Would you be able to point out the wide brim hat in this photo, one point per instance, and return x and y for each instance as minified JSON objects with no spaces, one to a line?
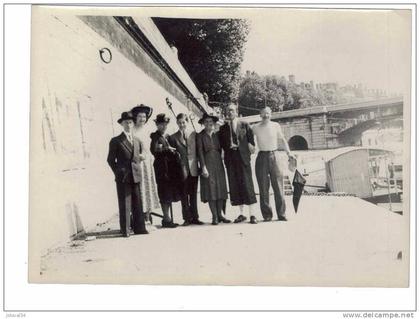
{"x":142,"y":109}
{"x":208,"y":116}
{"x":162,"y":118}
{"x":125,"y":116}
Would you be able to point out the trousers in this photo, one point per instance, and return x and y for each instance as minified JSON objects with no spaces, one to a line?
{"x":268,"y":171}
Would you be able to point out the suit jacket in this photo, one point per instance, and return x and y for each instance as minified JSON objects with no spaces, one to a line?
{"x":244,"y":134}
{"x":124,"y":160}
{"x":187,"y":151}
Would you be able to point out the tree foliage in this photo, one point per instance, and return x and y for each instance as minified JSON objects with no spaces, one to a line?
{"x":276,"y":92}
{"x":211,"y":51}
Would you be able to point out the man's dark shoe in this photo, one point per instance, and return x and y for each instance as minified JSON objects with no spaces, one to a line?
{"x":186,"y":223}
{"x":253,"y":220}
{"x":282,"y":219}
{"x":126,"y":235}
{"x":197,"y":222}
{"x":240,"y":219}
{"x":169,"y":225}
{"x":224,"y":220}
{"x":141,"y":232}
{"x":267,"y":219}
{"x":214,"y":223}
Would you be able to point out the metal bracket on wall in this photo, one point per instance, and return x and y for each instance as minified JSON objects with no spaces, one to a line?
{"x":106,"y":58}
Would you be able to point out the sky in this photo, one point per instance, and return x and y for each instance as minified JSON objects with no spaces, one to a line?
{"x":349,"y":47}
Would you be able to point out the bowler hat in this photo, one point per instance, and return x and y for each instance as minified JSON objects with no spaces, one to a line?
{"x":161,"y":118}
{"x":142,"y":109}
{"x":125,"y":116}
{"x":208,"y":116}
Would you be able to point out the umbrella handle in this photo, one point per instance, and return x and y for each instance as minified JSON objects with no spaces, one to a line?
{"x":169,"y":105}
{"x":192,"y":123}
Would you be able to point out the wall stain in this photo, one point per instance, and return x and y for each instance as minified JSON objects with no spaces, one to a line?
{"x":82,"y":133}
{"x":49,"y":126}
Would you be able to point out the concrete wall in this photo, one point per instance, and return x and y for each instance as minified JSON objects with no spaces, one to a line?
{"x":76,"y":100}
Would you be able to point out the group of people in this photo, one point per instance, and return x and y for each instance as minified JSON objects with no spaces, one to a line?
{"x":157,"y":169}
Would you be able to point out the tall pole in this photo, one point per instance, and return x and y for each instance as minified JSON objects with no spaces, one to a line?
{"x":388,"y":182}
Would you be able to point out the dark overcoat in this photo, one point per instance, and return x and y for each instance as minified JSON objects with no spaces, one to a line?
{"x":167,"y":166}
{"x":238,"y":162}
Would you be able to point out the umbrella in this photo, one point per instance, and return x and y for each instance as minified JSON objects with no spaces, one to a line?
{"x":169,"y":104}
{"x":298,"y":185}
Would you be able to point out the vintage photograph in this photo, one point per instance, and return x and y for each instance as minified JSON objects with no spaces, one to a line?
{"x":220,"y":146}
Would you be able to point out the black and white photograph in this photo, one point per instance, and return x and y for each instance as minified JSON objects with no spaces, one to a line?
{"x":220,"y":146}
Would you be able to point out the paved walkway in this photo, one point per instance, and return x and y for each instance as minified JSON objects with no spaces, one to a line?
{"x":332,"y":241}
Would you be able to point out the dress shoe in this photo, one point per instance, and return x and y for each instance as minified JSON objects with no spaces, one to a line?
{"x":282,"y":219}
{"x":253,"y":220}
{"x":186,"y":223}
{"x":214,"y":223}
{"x":141,"y":232}
{"x":197,"y":222}
{"x":126,"y":235}
{"x":241,"y":218}
{"x":267,"y":219}
{"x":224,"y":220}
{"x":169,"y":225}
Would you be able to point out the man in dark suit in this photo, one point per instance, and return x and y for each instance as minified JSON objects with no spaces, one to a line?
{"x":184,"y":141}
{"x":237,"y":141}
{"x":124,"y":159}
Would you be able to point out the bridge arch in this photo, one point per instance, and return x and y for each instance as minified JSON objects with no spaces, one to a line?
{"x":298,"y":143}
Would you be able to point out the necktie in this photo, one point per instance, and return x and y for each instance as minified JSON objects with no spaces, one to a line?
{"x":233,"y":134}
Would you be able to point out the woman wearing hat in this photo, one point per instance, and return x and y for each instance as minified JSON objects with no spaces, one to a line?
{"x":165,"y":165}
{"x":213,"y":180}
{"x":148,"y":187}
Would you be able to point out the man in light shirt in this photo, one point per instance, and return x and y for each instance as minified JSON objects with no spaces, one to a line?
{"x":270,"y":141}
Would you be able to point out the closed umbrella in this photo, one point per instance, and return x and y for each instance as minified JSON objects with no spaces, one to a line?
{"x":298,"y":185}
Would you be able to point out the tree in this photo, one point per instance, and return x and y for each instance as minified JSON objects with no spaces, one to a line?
{"x":255,"y":92}
{"x":251,"y":91}
{"x":211,"y":51}
{"x":281,"y":95}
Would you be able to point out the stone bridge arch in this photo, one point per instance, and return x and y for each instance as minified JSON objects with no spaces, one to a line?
{"x":298,"y":143}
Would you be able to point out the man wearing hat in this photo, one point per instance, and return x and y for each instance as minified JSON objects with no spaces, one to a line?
{"x":124,"y":159}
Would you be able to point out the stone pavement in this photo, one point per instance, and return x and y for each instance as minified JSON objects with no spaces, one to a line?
{"x":332,"y":241}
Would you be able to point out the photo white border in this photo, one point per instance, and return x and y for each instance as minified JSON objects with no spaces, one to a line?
{"x":21,"y":296}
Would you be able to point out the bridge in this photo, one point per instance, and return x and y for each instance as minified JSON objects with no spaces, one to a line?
{"x":332,"y":126}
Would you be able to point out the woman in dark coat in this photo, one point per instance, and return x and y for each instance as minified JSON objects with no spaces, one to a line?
{"x":165,"y":169}
{"x":213,"y":180}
